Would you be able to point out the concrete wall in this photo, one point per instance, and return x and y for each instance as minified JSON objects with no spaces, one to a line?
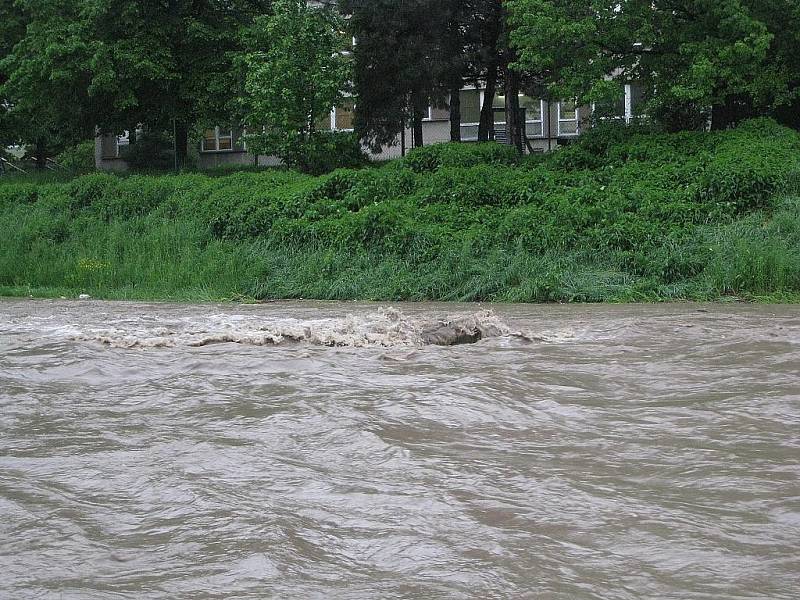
{"x":106,"y":154}
{"x":211,"y":160}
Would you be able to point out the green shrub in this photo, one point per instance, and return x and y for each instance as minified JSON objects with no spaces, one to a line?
{"x":751,"y":165}
{"x":91,"y":189}
{"x":326,"y":151}
{"x":152,"y":151}
{"x":657,"y":215}
{"x":430,"y":158}
{"x":755,"y":255}
{"x":18,"y":194}
{"x":78,"y":158}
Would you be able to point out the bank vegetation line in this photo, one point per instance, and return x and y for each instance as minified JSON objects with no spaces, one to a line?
{"x":624,"y":214}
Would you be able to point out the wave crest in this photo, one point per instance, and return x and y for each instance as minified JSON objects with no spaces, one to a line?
{"x":382,"y":329}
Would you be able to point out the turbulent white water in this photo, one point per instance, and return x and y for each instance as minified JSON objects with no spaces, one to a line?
{"x":382,"y":328}
{"x":314,"y":450}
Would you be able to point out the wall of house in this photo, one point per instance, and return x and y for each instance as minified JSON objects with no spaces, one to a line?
{"x":558,"y":127}
{"x":106,"y":154}
{"x":211,"y":160}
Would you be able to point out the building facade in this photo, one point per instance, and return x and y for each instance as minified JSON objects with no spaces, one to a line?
{"x":548,"y":124}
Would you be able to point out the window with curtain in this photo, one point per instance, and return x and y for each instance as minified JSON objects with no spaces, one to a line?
{"x":470,"y":106}
{"x":216,"y":140}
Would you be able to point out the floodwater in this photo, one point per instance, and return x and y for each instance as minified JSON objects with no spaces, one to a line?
{"x":308,"y":450}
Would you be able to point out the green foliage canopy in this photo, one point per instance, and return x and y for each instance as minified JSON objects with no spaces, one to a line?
{"x":732,"y":55}
{"x":297,"y":69}
{"x":71,"y":65}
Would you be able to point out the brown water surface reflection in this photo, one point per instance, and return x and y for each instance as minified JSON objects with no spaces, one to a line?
{"x":306,"y":450}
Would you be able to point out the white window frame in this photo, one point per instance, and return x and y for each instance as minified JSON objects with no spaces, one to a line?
{"x":472,"y":88}
{"x":539,"y":121}
{"x":332,"y":117}
{"x":628,"y":103}
{"x":333,"y":120}
{"x":628,"y":116}
{"x":217,"y":138}
{"x":576,"y":120}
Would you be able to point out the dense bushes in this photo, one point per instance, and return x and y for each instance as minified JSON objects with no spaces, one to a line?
{"x":327,"y":151}
{"x":430,"y":158}
{"x":623,"y":214}
{"x":153,"y":151}
{"x":78,"y":158}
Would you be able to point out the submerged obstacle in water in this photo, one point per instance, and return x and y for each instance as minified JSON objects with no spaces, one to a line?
{"x":383,"y":329}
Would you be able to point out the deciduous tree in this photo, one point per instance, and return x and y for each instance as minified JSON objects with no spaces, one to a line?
{"x":87,"y":63}
{"x":704,"y":54}
{"x":406,"y":58}
{"x":297,"y":69}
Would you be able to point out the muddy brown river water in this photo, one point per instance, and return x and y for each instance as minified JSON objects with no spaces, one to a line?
{"x":308,"y":450}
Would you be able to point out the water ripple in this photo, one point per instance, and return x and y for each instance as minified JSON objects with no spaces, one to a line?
{"x":605,"y":452}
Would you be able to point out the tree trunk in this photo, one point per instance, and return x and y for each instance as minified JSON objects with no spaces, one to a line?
{"x":486,"y":125}
{"x":418,"y":136}
{"x":514,"y":122}
{"x":721,"y":115}
{"x":418,"y":108}
{"x":181,"y":145}
{"x":455,"y":111}
{"x":40,"y":155}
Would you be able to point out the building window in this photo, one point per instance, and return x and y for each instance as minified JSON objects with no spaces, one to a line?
{"x":499,"y":108}
{"x":616,"y":109}
{"x":625,"y":108}
{"x":343,"y":115}
{"x":470,"y":107}
{"x":534,"y":115}
{"x":636,"y":97}
{"x":123,"y":142}
{"x":324,"y":123}
{"x":112,"y":146}
{"x":437,"y":113}
{"x":534,"y":109}
{"x":568,"y":118}
{"x":471,"y":101}
{"x":217,"y":140}
{"x":341,"y":118}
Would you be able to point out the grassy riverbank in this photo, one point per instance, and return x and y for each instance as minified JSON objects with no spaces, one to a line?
{"x":624,"y":215}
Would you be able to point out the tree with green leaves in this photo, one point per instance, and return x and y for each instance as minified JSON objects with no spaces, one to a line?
{"x":170,"y":65}
{"x":701,"y":55}
{"x":45,"y":76}
{"x":404,"y":62}
{"x":12,"y":29}
{"x":297,"y":68}
{"x":782,"y":18}
{"x":86,"y":63}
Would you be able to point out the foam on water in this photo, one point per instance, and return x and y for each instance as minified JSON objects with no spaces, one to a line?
{"x":384,"y":328}
{"x":638,"y":452}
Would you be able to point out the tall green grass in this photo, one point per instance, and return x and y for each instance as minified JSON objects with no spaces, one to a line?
{"x":622,"y":216}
